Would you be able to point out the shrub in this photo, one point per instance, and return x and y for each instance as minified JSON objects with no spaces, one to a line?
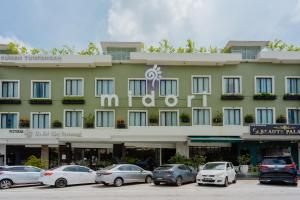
{"x":218,"y":118}
{"x":89,"y":121}
{"x":153,"y":119}
{"x":249,"y":119}
{"x":36,"y":162}
{"x":56,"y":124}
{"x":184,"y":118}
{"x":281,"y":119}
{"x":244,"y":159}
{"x":24,"y":122}
{"x":180,"y":159}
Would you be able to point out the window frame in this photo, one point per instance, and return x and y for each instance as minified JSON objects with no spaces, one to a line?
{"x":274,"y":114}
{"x":159,"y":117}
{"x":82,"y":116}
{"x":173,"y":79}
{"x":36,"y":81}
{"x":286,"y":85}
{"x":137,"y":79}
{"x":240,"y":86}
{"x":31,"y":119}
{"x":210,"y":116}
{"x":128,"y":114}
{"x":263,"y":76}
{"x":287,"y":113}
{"x":18,"y":119}
{"x":201,"y":76}
{"x":105,"y":110}
{"x":73,"y":78}
{"x":6,"y":80}
{"x":109,"y":79}
{"x":241,"y":116}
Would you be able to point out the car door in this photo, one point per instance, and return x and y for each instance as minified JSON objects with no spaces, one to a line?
{"x":229,"y":171}
{"x":124,"y":171}
{"x":71,"y":174}
{"x":138,"y":174}
{"x":32,"y":174}
{"x":183,"y":173}
{"x":190,"y":173}
{"x":86,"y":175}
{"x":18,"y":174}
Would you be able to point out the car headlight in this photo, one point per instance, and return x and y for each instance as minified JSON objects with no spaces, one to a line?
{"x":219,"y":175}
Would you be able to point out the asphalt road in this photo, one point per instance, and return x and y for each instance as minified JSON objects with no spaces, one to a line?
{"x":243,"y":190}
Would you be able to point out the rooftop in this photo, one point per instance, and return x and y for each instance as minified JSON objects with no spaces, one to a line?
{"x":137,"y":45}
{"x":243,"y":43}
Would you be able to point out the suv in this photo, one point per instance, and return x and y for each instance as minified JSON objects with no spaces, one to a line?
{"x":278,"y":169}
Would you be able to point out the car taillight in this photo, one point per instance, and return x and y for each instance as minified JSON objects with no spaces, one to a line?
{"x":47,"y":173}
{"x":263,"y":167}
{"x":291,"y":166}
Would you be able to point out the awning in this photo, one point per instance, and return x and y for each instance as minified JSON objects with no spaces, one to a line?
{"x":223,"y":139}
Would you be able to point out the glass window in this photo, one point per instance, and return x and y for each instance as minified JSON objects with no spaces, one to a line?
{"x":201,"y":85}
{"x":9,"y":120}
{"x":264,"y":85}
{"x":264,"y":116}
{"x":74,"y":87}
{"x":201,"y":116}
{"x":40,"y":120}
{"x":232,"y":116}
{"x":104,"y":119}
{"x":73,"y":119}
{"x":138,"y":87}
{"x":9,"y":89}
{"x":168,"y":87}
{"x":124,"y":168}
{"x":232,"y":85}
{"x":17,"y":169}
{"x":32,"y":169}
{"x":168,"y":118}
{"x":134,"y":168}
{"x":137,"y":118}
{"x":104,"y":87}
{"x":41,"y":89}
{"x":70,"y":169}
{"x":293,"y":116}
{"x":82,"y":169}
{"x":293,"y":85}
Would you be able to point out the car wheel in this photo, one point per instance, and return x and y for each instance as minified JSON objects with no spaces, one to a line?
{"x":156,"y":183}
{"x":148,"y":179}
{"x":60,"y":183}
{"x":226,"y":182}
{"x":178,"y":181}
{"x":5,"y":184}
{"x":118,"y":182}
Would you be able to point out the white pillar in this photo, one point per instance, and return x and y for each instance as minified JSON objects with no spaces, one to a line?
{"x":182,"y":148}
{"x":3,"y":152}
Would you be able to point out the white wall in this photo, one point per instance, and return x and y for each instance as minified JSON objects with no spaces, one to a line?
{"x":182,"y":148}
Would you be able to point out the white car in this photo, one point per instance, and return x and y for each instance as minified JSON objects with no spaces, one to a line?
{"x":14,"y":175}
{"x":218,"y":173}
{"x":68,"y":175}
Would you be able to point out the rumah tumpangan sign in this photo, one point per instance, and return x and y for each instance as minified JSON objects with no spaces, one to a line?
{"x":272,"y":129}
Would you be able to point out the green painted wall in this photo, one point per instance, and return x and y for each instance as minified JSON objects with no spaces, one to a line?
{"x":121,"y":73}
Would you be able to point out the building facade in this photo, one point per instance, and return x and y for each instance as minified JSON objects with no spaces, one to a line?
{"x":92,"y":110}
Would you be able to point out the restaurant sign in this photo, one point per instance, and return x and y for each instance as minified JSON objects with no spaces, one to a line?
{"x":271,"y":129}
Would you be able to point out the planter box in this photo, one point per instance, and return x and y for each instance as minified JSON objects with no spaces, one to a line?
{"x":10,"y":101}
{"x":264,"y":97}
{"x":121,"y":125}
{"x":232,"y":97}
{"x":73,"y":101}
{"x":291,"y":97}
{"x":41,"y":101}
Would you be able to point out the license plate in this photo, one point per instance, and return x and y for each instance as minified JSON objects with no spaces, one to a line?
{"x":159,"y":178}
{"x":207,"y":179}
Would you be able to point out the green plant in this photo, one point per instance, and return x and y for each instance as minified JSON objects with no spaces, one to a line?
{"x":56,"y":124}
{"x":180,"y":159}
{"x":244,"y":159}
{"x":249,"y":119}
{"x":129,"y":159}
{"x":218,"y":118}
{"x":184,"y":118}
{"x":24,"y":122}
{"x":121,"y":123}
{"x":153,"y":119}
{"x":89,"y":121}
{"x":198,"y":160}
{"x":281,"y":119}
{"x":73,"y":100}
{"x":36,"y":162}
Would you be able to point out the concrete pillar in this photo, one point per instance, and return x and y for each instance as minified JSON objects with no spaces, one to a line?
{"x":182,"y":148}
{"x":3,"y":153}
{"x":298,"y":155}
{"x":45,"y":154}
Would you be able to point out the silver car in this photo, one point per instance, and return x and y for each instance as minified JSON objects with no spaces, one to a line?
{"x":14,"y":175}
{"x":123,"y":173}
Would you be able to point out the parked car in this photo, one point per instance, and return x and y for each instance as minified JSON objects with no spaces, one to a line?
{"x":174,"y":174}
{"x":15,"y":175}
{"x":218,"y":173}
{"x":278,"y":169}
{"x":68,"y":175}
{"x":123,"y":173}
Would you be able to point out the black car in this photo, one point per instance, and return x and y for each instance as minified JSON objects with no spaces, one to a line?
{"x":278,"y":169}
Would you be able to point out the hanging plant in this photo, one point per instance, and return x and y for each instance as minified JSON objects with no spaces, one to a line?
{"x":281,"y":119}
{"x":184,"y":118}
{"x":249,"y":119}
{"x":56,"y":124}
{"x":24,"y":122}
{"x":218,"y":118}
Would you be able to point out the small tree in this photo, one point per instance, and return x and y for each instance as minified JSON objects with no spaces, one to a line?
{"x":244,"y":159}
{"x":249,"y":119}
{"x":180,"y":159}
{"x":36,"y":162}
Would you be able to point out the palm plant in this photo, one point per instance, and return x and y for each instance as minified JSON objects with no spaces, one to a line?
{"x":190,"y":46}
{"x":165,"y":46}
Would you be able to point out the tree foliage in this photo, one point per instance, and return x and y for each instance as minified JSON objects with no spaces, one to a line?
{"x":36,"y":162}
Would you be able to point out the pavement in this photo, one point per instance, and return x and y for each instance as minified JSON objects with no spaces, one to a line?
{"x":242,"y":190}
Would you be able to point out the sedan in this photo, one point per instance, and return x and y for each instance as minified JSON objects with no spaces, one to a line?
{"x":174,"y":174}
{"x":14,"y":175}
{"x":218,"y":173}
{"x":123,"y":173}
{"x":68,"y":175}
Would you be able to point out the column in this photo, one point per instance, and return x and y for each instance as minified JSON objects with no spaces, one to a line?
{"x":45,"y":154}
{"x":3,"y":153}
{"x":182,"y":148}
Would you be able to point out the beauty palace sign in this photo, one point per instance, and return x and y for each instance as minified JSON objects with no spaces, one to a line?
{"x":152,"y":75}
{"x":272,"y":129}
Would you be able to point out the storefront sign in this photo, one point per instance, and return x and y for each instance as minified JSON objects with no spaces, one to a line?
{"x":30,"y":133}
{"x":30,"y":58}
{"x":275,"y":129}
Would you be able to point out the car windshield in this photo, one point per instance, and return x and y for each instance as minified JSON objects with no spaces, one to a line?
{"x":277,"y":161}
{"x":164,"y":167}
{"x":214,"y":166}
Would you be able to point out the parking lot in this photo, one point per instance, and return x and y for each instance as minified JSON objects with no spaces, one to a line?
{"x":244,"y":189}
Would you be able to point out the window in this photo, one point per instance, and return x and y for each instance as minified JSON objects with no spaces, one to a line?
{"x":82,"y":169}
{"x":40,"y":120}
{"x":168,"y":118}
{"x":40,"y":89}
{"x":264,"y":115}
{"x":293,"y":85}
{"x":264,"y":85}
{"x":201,"y":116}
{"x":232,"y":85}
{"x":232,"y":116}
{"x":168,"y":87}
{"x":105,"y":118}
{"x":293,"y":115}
{"x":32,"y":169}
{"x":200,"y":84}
{"x":74,"y":87}
{"x":70,"y":169}
{"x":9,"y":120}
{"x":137,"y":118}
{"x":10,"y":88}
{"x":73,"y":119}
{"x":104,"y":87}
{"x":138,"y":87}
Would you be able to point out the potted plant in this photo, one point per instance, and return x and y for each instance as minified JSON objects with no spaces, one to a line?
{"x":10,"y":101}
{"x":24,"y":122}
{"x":199,"y":161}
{"x":232,"y":97}
{"x":281,"y":119}
{"x":153,"y":120}
{"x":184,"y":118}
{"x":89,"y":121}
{"x":218,"y":118}
{"x":249,"y":119}
{"x":264,"y":96}
{"x":40,"y":101}
{"x":56,"y":124}
{"x":243,"y":161}
{"x":73,"y":100}
{"x":291,"y":97}
{"x":121,"y":123}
